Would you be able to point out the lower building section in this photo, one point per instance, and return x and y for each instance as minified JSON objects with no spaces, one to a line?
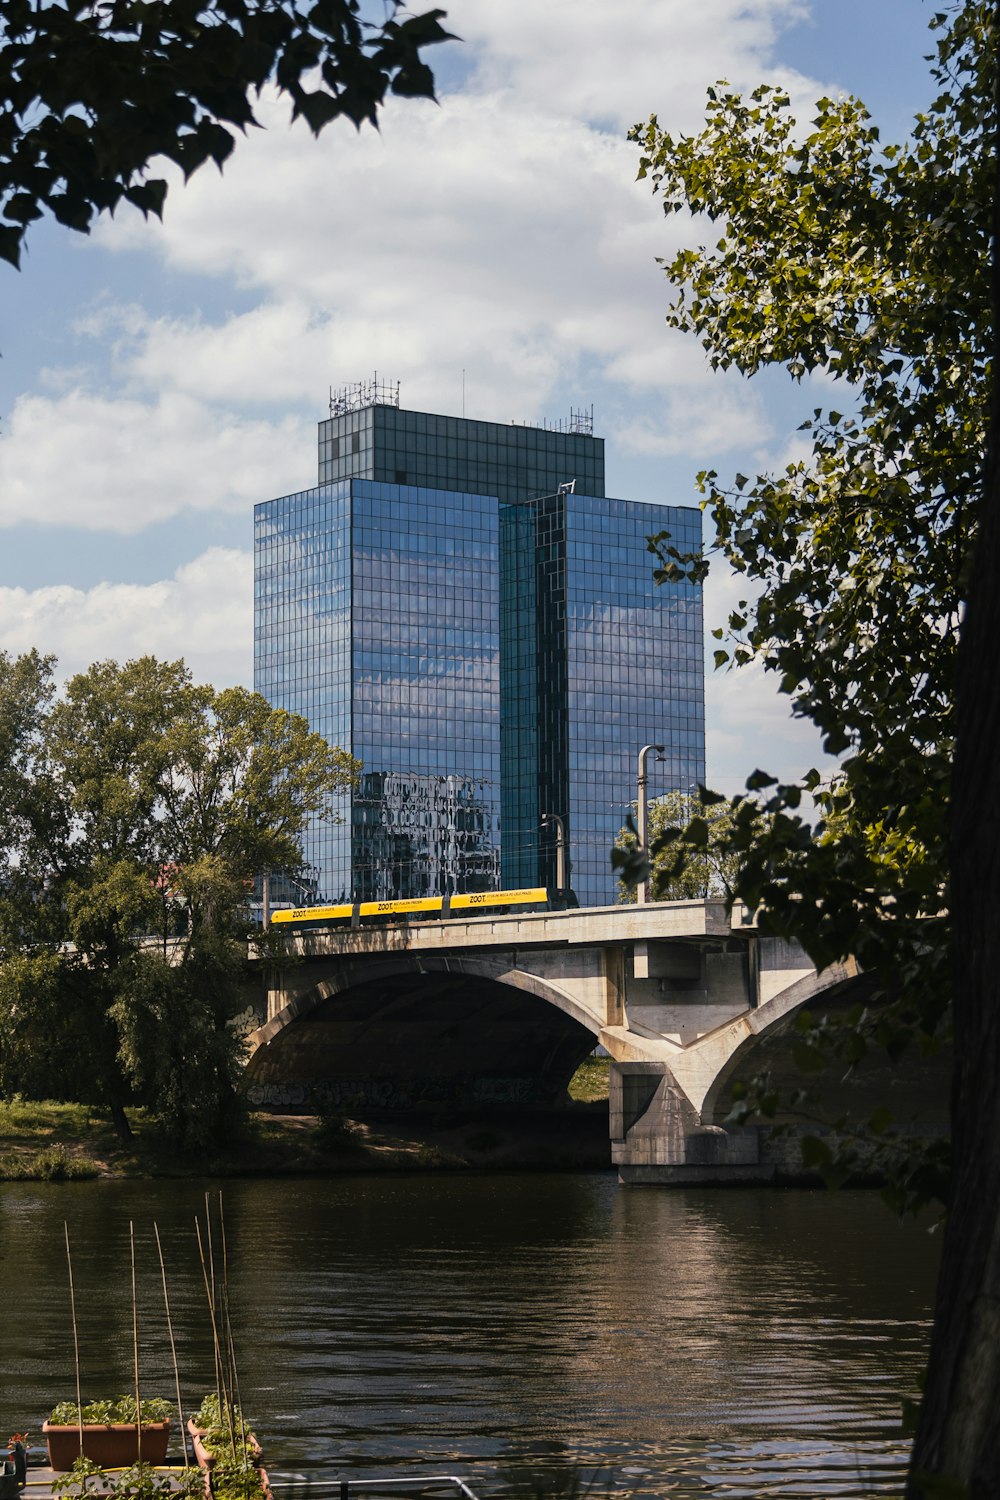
{"x":418,"y":836}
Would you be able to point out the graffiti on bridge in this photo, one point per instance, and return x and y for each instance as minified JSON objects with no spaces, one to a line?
{"x":390,"y":1094}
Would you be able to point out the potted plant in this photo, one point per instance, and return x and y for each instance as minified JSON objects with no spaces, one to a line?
{"x":140,"y":1481}
{"x":17,"y":1443}
{"x":111,"y":1433}
{"x":222,"y":1433}
{"x":78,"y":1475}
{"x":238,"y":1480}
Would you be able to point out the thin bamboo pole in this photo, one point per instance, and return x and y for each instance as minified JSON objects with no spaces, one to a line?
{"x":135,"y":1344}
{"x":173,"y":1346}
{"x":76,"y":1339}
{"x":220,"y":1374}
{"x":236,"y":1385}
{"x":215,"y":1335}
{"x":223,"y":1305}
{"x":231,"y":1345}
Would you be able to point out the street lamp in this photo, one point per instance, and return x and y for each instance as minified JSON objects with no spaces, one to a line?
{"x":642,"y":889}
{"x":560,"y":828}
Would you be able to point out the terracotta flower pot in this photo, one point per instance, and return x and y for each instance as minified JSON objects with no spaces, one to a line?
{"x":206,"y":1459}
{"x":113,"y":1447}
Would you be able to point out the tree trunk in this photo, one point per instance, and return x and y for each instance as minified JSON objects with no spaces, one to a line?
{"x":119,"y":1120}
{"x":958,"y":1436}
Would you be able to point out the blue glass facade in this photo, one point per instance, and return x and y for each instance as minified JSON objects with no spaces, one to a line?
{"x":376,"y":618}
{"x":596,"y":661}
{"x":491,"y":649}
{"x":303,"y":634}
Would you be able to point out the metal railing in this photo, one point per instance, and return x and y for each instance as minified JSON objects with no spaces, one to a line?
{"x":343,"y":1487}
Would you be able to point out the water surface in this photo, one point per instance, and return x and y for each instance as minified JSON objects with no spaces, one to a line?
{"x":694,"y":1343}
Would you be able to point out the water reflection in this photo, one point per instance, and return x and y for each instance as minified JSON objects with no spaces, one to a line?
{"x":738,"y":1343}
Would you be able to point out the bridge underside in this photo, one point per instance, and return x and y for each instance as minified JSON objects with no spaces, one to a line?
{"x":421,"y":1041}
{"x":914,"y":1089}
{"x":663,"y":1139}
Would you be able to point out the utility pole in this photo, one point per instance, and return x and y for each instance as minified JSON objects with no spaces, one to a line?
{"x":560,"y":827}
{"x":642,"y":889}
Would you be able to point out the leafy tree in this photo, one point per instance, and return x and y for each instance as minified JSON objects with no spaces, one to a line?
{"x":708,"y":865}
{"x":874,"y":567}
{"x":91,"y":94}
{"x":134,"y":792}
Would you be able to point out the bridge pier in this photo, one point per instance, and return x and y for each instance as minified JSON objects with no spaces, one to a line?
{"x":657,"y":1135}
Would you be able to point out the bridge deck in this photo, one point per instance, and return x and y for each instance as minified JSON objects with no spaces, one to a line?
{"x":595,"y":926}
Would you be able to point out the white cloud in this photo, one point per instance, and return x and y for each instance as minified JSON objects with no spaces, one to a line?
{"x":696,"y":420}
{"x":614,"y":65}
{"x":468,"y":236}
{"x":203,"y":613}
{"x":121,"y":464}
{"x":749,"y":724}
{"x":535,"y":272}
{"x":501,"y":232}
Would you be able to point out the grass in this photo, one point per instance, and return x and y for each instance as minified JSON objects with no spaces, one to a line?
{"x":45,"y":1141}
{"x":30,"y":1119}
{"x":51,"y":1164}
{"x":590,"y":1081}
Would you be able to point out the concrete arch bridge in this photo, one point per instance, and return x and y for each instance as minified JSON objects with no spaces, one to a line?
{"x":497,"y":1012}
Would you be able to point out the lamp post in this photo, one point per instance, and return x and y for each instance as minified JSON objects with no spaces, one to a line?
{"x":642,"y":889}
{"x":560,"y":828}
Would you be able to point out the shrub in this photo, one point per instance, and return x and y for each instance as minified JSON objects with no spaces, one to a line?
{"x":104,"y":1413}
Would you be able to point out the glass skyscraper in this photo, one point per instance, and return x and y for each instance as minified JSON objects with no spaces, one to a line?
{"x":487,"y":641}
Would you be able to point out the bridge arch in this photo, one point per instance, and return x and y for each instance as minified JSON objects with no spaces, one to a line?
{"x":411,"y":1030}
{"x":915,"y":1089}
{"x":745,"y":1040}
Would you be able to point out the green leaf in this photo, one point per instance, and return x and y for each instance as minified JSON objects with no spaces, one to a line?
{"x":760,"y":779}
{"x":10,"y":245}
{"x":816,"y":1154}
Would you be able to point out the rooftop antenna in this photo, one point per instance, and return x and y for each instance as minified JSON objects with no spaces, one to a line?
{"x":579,"y":421}
{"x":362,"y":393}
{"x":463,"y":392}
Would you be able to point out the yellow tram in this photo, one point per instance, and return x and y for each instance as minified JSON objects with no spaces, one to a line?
{"x":353,"y":913}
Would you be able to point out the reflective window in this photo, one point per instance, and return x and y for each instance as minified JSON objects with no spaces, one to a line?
{"x":596,"y":661}
{"x":437,"y":630}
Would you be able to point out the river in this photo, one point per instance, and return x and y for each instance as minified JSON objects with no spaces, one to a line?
{"x":727,"y":1343}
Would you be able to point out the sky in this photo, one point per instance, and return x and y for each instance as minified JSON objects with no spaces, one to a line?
{"x":159,"y":379}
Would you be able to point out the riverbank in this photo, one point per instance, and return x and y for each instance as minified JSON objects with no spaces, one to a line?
{"x":55,"y":1142}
